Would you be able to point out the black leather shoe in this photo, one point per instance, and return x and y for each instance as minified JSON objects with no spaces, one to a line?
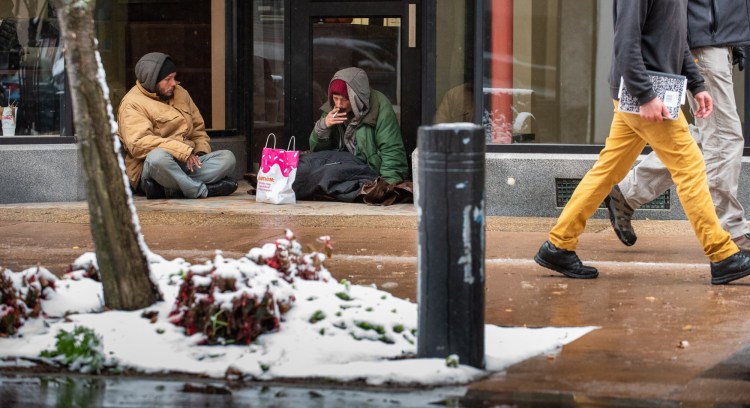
{"x":155,"y":191}
{"x":735,"y":267}
{"x":620,"y":215}
{"x":152,"y":190}
{"x":564,"y":261}
{"x":223,"y":187}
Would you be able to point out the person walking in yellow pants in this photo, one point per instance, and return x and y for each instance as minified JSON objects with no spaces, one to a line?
{"x":717,"y":33}
{"x":649,"y":35}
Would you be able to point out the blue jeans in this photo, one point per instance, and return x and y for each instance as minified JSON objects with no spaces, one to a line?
{"x":173,"y":175}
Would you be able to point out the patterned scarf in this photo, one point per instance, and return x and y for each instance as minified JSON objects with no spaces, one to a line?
{"x":359,"y":109}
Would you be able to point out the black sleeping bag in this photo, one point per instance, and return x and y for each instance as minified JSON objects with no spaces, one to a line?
{"x":331,"y":175}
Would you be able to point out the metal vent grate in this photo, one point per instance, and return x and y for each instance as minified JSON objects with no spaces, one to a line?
{"x":564,"y":190}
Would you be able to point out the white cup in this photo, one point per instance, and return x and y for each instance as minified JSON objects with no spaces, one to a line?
{"x":9,"y":121}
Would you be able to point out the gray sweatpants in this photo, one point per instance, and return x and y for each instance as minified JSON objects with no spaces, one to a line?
{"x":173,"y":175}
{"x":720,"y":137}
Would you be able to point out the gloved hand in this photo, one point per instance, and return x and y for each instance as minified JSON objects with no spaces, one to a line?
{"x":738,"y":57}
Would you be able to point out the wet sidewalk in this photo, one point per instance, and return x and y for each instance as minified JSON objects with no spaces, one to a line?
{"x":666,"y":336}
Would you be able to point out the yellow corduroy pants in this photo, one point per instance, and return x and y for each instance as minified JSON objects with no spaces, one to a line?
{"x":671,"y":141}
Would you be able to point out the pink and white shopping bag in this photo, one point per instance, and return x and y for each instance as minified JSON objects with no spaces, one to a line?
{"x":278,"y":168}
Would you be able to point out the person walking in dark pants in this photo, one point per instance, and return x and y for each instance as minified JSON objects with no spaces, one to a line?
{"x":649,"y":35}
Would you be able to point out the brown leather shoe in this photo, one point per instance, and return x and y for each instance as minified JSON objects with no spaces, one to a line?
{"x":620,"y":214}
{"x":743,"y":242}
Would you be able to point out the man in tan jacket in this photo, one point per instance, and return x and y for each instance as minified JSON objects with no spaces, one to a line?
{"x":167,"y":150}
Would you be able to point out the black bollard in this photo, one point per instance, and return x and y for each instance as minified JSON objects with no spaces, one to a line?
{"x":450,"y":212}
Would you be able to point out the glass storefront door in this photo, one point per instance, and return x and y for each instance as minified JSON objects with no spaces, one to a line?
{"x":371,"y":44}
{"x":379,"y":37}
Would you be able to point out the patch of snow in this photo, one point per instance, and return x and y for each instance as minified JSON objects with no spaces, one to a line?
{"x":334,"y":330}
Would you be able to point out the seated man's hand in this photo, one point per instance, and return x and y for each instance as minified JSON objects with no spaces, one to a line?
{"x":193,"y":162}
{"x":335,"y":118}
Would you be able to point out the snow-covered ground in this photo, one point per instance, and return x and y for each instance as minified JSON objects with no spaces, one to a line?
{"x":321,"y":336}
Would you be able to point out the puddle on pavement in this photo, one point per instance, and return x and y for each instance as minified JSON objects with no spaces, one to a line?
{"x":489,"y":399}
{"x":81,"y":391}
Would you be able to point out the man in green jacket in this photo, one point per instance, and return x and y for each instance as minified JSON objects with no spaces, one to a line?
{"x":361,"y":121}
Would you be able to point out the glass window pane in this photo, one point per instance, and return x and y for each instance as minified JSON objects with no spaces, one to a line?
{"x":371,"y":44}
{"x":268,"y":64}
{"x":190,"y":31}
{"x":545,"y":65}
{"x":268,"y":73}
{"x":454,"y":68}
{"x":31,"y":67}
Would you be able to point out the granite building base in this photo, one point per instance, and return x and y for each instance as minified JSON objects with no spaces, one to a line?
{"x":525,"y":185}
{"x":53,"y":172}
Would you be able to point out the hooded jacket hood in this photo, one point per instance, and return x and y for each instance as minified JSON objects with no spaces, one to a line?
{"x":359,"y":88}
{"x":147,"y":69}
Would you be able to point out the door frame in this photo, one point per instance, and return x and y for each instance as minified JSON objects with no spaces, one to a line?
{"x":416,"y":99}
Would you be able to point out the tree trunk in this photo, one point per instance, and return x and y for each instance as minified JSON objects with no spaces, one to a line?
{"x":120,"y":250}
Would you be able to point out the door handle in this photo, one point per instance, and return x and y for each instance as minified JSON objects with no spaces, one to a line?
{"x":412,"y":25}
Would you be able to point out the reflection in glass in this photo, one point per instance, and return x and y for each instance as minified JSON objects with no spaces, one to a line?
{"x":268,"y":73}
{"x":31,"y":66}
{"x":541,"y":67}
{"x":544,"y":67}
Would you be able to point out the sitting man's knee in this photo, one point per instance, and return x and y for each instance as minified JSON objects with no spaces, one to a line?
{"x":228,"y":159}
{"x":158,"y":156}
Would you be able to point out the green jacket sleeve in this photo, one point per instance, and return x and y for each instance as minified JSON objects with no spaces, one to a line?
{"x":393,"y":167}
{"x":316,"y":143}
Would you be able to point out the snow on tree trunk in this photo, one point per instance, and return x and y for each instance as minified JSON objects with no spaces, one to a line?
{"x":120,"y":252}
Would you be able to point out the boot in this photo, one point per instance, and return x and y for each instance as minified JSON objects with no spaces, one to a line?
{"x":152,"y":190}
{"x":620,"y":214}
{"x":223,"y":187}
{"x":743,"y":242}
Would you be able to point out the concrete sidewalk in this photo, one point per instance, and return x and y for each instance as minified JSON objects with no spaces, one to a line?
{"x":665,"y":337}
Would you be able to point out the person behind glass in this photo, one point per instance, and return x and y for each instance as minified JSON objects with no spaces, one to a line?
{"x":167,"y":150}
{"x":361,"y":121}
{"x":10,"y":51}
{"x":716,"y":34}
{"x":457,"y":105}
{"x":649,"y":34}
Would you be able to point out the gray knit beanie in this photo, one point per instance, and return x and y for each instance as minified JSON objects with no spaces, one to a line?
{"x":147,"y":69}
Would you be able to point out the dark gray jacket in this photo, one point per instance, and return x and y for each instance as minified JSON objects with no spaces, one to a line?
{"x":10,"y":47}
{"x":714,"y":23}
{"x":651,"y":35}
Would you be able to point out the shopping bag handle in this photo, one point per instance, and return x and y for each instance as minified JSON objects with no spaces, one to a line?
{"x":292,"y":142}
{"x":274,"y":139}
